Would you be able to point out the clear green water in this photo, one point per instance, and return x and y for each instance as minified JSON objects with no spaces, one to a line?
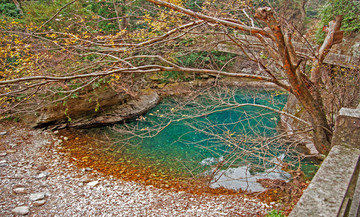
{"x":188,"y":136}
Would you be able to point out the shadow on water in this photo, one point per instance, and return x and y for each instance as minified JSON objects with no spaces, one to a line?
{"x":213,"y":142}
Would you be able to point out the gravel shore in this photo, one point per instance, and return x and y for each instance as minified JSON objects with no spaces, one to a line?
{"x":38,"y":180}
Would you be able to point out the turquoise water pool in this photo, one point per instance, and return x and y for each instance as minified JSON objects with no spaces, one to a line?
{"x":212,"y":130}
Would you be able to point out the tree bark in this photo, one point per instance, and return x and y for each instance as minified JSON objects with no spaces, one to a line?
{"x":334,"y":26}
{"x":322,"y":131}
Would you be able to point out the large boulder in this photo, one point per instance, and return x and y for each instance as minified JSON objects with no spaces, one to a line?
{"x":96,"y":110}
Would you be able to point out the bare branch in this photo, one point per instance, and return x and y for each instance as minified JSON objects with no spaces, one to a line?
{"x":235,"y":25}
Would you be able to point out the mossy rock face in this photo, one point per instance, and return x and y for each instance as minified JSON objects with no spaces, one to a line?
{"x":100,"y":108}
{"x":86,"y":104}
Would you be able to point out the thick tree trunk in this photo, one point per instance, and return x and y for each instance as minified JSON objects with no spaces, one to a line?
{"x":312,"y":103}
{"x":321,"y":130}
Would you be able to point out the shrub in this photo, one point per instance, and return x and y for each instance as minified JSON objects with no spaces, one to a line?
{"x":8,"y":8}
{"x":213,"y":59}
{"x":275,"y":213}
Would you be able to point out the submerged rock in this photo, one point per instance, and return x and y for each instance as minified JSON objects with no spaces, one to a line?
{"x":240,"y":178}
{"x":211,"y":160}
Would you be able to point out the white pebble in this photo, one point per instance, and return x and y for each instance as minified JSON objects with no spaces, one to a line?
{"x":43,"y":174}
{"x":92,"y":184}
{"x":39,"y":202}
{"x":20,"y":190}
{"x":3,"y":163}
{"x":37,"y":196}
{"x":21,"y":210}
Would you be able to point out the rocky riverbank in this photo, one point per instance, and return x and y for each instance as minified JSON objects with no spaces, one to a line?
{"x":39,"y":180}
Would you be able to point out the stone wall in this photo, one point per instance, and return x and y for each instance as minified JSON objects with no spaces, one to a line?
{"x":347,"y":129}
{"x":335,"y":189}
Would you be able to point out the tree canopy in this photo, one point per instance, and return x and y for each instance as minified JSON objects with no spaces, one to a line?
{"x":74,"y":45}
